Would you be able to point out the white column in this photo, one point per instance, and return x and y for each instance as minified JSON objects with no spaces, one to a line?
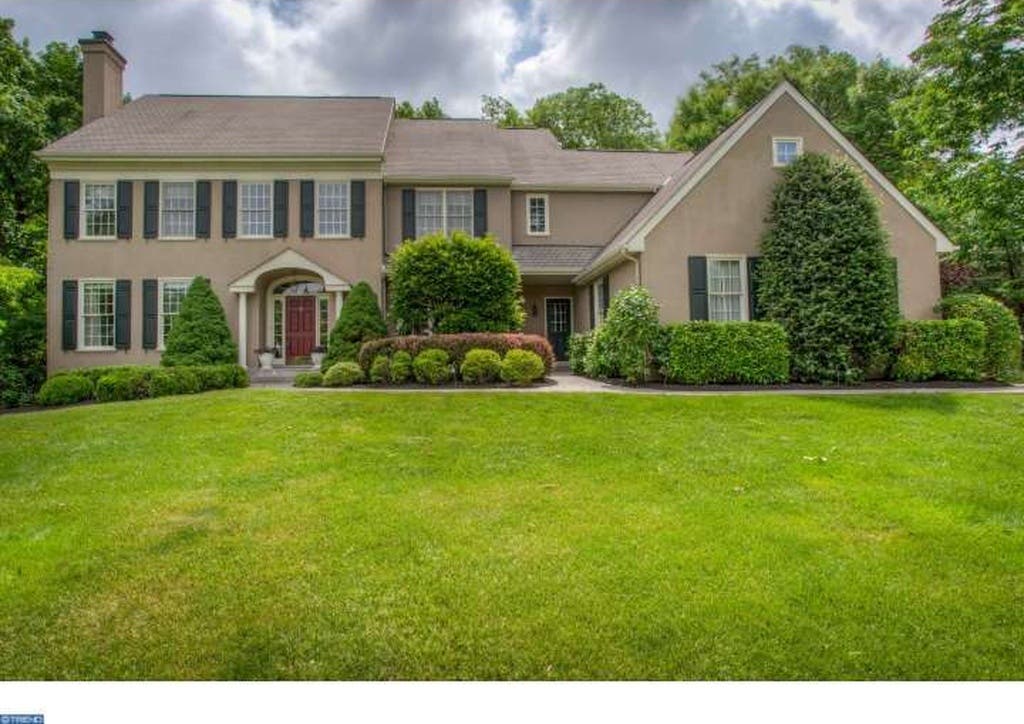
{"x":243,"y":328}
{"x":337,"y":305}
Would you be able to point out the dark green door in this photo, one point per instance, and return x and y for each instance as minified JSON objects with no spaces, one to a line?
{"x":558,"y":316}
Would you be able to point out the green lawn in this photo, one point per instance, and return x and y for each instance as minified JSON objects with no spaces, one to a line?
{"x":258,"y":534}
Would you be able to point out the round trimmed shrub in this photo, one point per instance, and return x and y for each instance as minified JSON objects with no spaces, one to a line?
{"x":1002,"y":332}
{"x":521,"y":367}
{"x":401,"y":367}
{"x":343,"y":374}
{"x":380,"y":370}
{"x":125,"y":383}
{"x":174,"y":381}
{"x":432,"y":367}
{"x":308,"y":379}
{"x":65,"y":389}
{"x":480,"y":366}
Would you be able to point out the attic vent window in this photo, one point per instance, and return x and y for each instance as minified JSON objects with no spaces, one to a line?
{"x":786,"y":150}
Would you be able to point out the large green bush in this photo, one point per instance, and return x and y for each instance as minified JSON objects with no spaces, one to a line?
{"x":701,"y":353}
{"x":360,"y":320}
{"x":65,"y":390}
{"x":950,"y":349}
{"x":454,"y":284}
{"x":432,"y":367}
{"x":380,"y":369}
{"x":125,"y":383}
{"x":480,"y":366}
{"x":521,"y":367}
{"x":1002,"y":331}
{"x":400,"y":367}
{"x":22,"y":335}
{"x":630,"y":331}
{"x":825,"y":273}
{"x":601,"y":359}
{"x":579,"y":343}
{"x":343,"y":374}
{"x":200,"y":333}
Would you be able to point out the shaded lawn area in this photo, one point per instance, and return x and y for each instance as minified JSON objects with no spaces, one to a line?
{"x":272,"y":534}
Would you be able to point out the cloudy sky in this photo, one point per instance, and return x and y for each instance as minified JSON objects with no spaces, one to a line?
{"x":459,"y":49}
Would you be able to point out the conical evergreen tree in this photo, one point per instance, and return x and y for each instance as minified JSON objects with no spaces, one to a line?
{"x":360,"y":320}
{"x":200,"y":333}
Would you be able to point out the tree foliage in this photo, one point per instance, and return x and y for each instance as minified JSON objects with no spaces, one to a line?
{"x":825,"y":272}
{"x":454,"y":284}
{"x":594,"y":117}
{"x":429,"y":109}
{"x":360,"y":320}
{"x":200,"y":333}
{"x":500,"y":110}
{"x":22,"y":334}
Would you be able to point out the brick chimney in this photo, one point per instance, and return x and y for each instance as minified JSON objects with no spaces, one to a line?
{"x":103,"y":68}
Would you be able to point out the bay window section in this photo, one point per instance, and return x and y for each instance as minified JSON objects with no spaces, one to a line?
{"x":256,"y":210}
{"x":726,"y":290}
{"x":96,"y":319}
{"x":100,"y":211}
{"x":178,"y":210}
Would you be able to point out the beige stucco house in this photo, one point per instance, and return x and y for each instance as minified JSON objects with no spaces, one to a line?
{"x":284,"y":203}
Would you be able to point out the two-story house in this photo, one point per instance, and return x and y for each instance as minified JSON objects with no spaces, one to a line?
{"x":285,"y":202}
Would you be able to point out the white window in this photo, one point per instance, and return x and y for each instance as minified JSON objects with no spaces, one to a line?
{"x":786,"y":150}
{"x":332,"y":209}
{"x":323,"y":321}
{"x":178,"y":210}
{"x":96,"y":314}
{"x":256,"y":210}
{"x":444,"y":211}
{"x":172,"y":292}
{"x":727,"y":295}
{"x":537,"y":215}
{"x":99,"y":211}
{"x":599,"y":296}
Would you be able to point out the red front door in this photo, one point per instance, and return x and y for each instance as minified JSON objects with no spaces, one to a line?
{"x":300,"y":332}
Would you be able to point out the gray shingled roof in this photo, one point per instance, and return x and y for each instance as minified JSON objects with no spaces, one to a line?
{"x":219,"y":126}
{"x":548,"y":257}
{"x":425,"y":149}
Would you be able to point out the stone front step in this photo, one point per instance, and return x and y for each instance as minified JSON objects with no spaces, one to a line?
{"x":277,"y":375}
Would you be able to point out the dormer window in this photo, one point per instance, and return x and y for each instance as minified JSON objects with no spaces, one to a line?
{"x":786,"y":150}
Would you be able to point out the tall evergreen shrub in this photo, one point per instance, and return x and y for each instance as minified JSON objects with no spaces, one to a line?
{"x":360,"y":321}
{"x":200,"y":333}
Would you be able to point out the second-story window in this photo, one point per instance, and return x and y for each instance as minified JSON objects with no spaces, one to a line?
{"x":178,"y":210}
{"x":332,"y":209}
{"x":444,"y":211}
{"x":255,"y":209}
{"x":537,"y":215}
{"x":100,"y":211}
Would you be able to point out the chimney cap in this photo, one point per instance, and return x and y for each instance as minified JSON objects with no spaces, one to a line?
{"x":102,"y":40}
{"x":102,"y":35}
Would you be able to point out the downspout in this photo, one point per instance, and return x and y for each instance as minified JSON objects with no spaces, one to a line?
{"x":636,"y":265}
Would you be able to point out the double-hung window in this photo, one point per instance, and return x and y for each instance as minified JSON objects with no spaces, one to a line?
{"x":537,"y":215}
{"x":96,"y":315}
{"x":172,"y":292}
{"x":786,"y":150}
{"x":332,"y":204}
{"x":99,"y":209}
{"x":727,"y":293}
{"x":256,"y":209}
{"x":177,"y":210}
{"x":444,"y":211}
{"x":599,"y":296}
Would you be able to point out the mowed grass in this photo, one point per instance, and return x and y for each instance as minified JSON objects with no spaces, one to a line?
{"x":261,"y":534}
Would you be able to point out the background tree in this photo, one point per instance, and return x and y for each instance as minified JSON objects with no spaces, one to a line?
{"x":594,"y":117}
{"x":22,"y":334}
{"x":825,"y":272}
{"x":200,"y":333}
{"x":454,"y":284}
{"x":500,"y":110}
{"x":360,"y":320}
{"x":429,"y":109}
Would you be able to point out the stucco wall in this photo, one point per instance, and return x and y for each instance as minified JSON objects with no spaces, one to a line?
{"x":497,"y":213}
{"x":725,"y":214}
{"x":578,"y":217}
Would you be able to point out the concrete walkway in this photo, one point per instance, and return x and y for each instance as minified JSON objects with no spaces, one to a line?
{"x":566,"y":382}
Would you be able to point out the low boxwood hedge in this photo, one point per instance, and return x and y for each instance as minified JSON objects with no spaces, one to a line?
{"x":521,"y":367}
{"x":380,"y":370}
{"x":457,"y":346}
{"x":343,"y":374}
{"x":432,"y":367}
{"x":949,"y":349}
{"x":65,"y":389}
{"x":702,"y":353}
{"x":400,"y":367}
{"x":308,"y":379}
{"x":1002,"y":331}
{"x":480,"y":366}
{"x":135,"y":382}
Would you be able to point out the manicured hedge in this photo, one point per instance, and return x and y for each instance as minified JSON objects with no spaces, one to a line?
{"x":308,"y":379}
{"x":701,"y":353}
{"x":432,"y":367}
{"x":343,"y":374}
{"x":457,"y":345}
{"x":521,"y":367}
{"x":136,"y":382}
{"x":481,"y":366}
{"x":949,"y":349}
{"x":380,"y":370}
{"x":1002,"y":331}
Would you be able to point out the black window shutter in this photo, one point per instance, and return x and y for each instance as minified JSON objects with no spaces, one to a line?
{"x":123,"y":313}
{"x":280,"y":208}
{"x":479,"y":212}
{"x":307,"y":206}
{"x":358,"y":225}
{"x":69,"y":315}
{"x":71,"y":191}
{"x":606,"y":295}
{"x":229,"y":207}
{"x":150,"y":313}
{"x":408,"y":214}
{"x":698,"y":266}
{"x":754,"y":309}
{"x":592,"y":305}
{"x":124,"y":209}
{"x":151,"y":210}
{"x":202,"y":209}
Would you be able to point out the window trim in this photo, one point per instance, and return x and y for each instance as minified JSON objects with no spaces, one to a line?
{"x":82,"y":212}
{"x":316,"y":208}
{"x":444,"y":206}
{"x":547,"y":215}
{"x":798,"y":140}
{"x":238,"y":209}
{"x":160,"y":213}
{"x":81,"y":347}
{"x":744,"y":285}
{"x":160,"y":306}
{"x":596,"y":288}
